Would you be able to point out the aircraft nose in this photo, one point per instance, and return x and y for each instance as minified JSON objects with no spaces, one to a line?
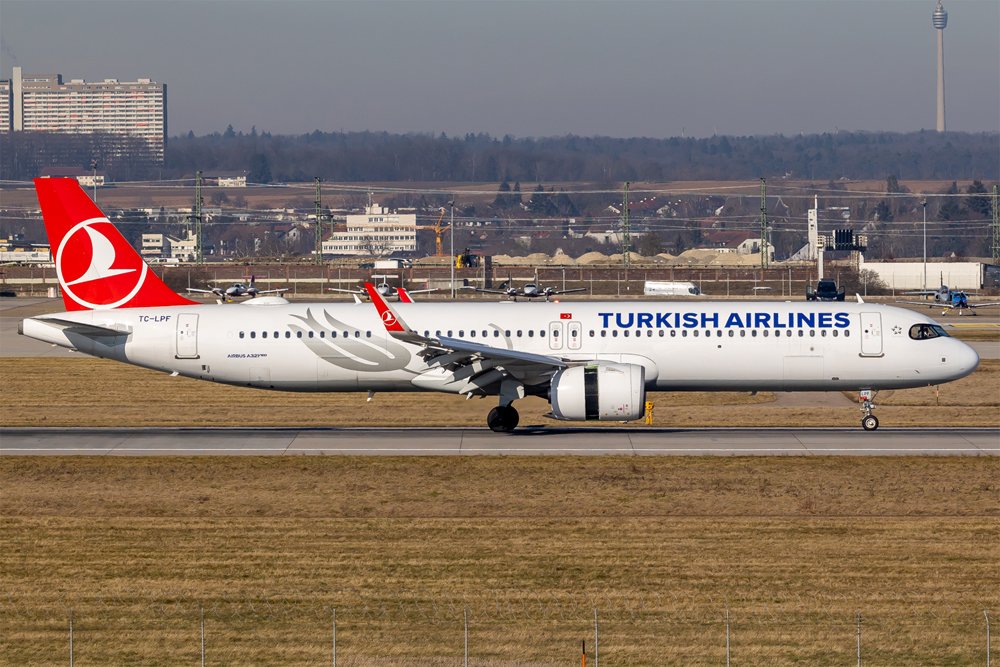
{"x":961,"y":360}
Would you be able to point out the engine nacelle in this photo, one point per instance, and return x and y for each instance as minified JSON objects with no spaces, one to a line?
{"x":605,"y":392}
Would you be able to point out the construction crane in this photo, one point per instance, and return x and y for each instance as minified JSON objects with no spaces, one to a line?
{"x":438,"y":233}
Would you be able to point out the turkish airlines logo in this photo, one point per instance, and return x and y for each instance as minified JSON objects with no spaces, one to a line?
{"x":389,"y":318}
{"x":96,"y":266}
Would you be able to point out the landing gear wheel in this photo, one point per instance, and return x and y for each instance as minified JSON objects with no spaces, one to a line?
{"x":869,"y":423}
{"x":502,"y":419}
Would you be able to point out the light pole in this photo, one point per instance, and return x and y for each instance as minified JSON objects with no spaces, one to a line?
{"x":924,"y":205}
{"x":451,"y":233}
{"x":93,"y":166}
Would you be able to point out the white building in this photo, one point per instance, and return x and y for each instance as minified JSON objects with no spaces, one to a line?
{"x":44,"y":103}
{"x":162,"y":246}
{"x":378,"y":231}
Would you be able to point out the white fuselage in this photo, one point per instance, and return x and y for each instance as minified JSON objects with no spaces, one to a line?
{"x":682,"y":346}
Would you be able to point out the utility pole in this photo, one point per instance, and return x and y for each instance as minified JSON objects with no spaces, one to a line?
{"x":764,"y":260}
{"x":451,"y":231}
{"x":923,"y":204}
{"x":996,"y":229}
{"x":626,"y":235}
{"x":198,"y":203}
{"x":319,"y":223}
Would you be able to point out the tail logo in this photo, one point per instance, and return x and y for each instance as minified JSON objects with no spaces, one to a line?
{"x":93,"y":270}
{"x":389,"y":318}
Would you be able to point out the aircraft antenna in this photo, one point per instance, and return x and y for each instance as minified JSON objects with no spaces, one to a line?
{"x":763,"y":224}
{"x":626,"y":236}
{"x":996,"y":229}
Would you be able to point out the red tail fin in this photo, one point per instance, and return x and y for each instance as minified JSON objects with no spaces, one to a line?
{"x":96,"y":266}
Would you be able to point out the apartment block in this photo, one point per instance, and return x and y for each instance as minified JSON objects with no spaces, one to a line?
{"x":46,"y":103}
{"x":378,"y":231}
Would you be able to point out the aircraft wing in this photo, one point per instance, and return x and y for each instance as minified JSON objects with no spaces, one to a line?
{"x":567,"y":291}
{"x":475,"y":364}
{"x":204,"y":291}
{"x":973,"y":306}
{"x":346,"y":291}
{"x":490,"y":291}
{"x":272,"y":291}
{"x":929,"y":304}
{"x":922,"y":292}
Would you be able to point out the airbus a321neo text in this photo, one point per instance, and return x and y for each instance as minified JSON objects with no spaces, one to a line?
{"x":590,"y":360}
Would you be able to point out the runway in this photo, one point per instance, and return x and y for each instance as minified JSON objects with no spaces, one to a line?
{"x":479,"y":442}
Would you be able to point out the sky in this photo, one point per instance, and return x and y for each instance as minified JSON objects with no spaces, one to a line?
{"x":528,"y":69}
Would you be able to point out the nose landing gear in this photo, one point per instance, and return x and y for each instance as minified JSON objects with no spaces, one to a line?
{"x":869,"y":422}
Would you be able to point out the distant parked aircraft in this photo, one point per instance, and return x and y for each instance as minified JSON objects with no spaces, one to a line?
{"x":238,"y":290}
{"x":386,"y":290}
{"x":949,"y":299}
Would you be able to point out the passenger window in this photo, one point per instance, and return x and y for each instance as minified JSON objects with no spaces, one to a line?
{"x":662,"y":334}
{"x":743,"y":333}
{"x":731,"y":333}
{"x":253,"y":334}
{"x":835,"y":333}
{"x":823,"y":333}
{"x":695,"y":333}
{"x":298,"y":334}
{"x":518,"y":333}
{"x":461,"y":333}
{"x":812,"y":333}
{"x":485,"y":333}
{"x":801,"y":333}
{"x":276,"y":335}
{"x":506,"y":332}
{"x":241,"y":334}
{"x":625,"y":333}
{"x":368,"y":334}
{"x":753,"y":333}
{"x":614,"y":333}
{"x":288,"y":334}
{"x":322,"y":334}
{"x":788,"y":333}
{"x":311,"y":334}
{"x":357,"y":334}
{"x":591,"y":333}
{"x":847,"y":333}
{"x":531,"y":333}
{"x":555,"y":333}
{"x":604,"y":333}
{"x":765,"y":333}
{"x":673,"y":333}
{"x":263,"y":334}
{"x":684,"y":334}
{"x":472,"y":333}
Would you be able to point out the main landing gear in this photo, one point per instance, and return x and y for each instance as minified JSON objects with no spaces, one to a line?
{"x":502,"y":419}
{"x":869,"y":422}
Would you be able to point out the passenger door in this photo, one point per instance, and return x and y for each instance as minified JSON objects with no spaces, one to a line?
{"x":871,"y":335}
{"x":187,"y":336}
{"x":556,"y":330}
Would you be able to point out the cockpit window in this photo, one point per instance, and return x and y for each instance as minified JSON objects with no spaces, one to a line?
{"x":926,"y":331}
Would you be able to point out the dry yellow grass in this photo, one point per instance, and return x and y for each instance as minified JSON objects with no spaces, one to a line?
{"x":268,"y":546}
{"x":94,"y":392}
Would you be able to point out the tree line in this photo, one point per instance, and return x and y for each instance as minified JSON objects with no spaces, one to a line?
{"x":383,"y":156}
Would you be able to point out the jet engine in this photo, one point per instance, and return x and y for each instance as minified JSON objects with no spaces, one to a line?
{"x":605,"y":392}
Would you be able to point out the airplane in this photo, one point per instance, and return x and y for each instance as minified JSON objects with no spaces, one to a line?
{"x":386,"y":290}
{"x":590,"y":360}
{"x":948,"y":299}
{"x":237,"y":290}
{"x":527,"y":291}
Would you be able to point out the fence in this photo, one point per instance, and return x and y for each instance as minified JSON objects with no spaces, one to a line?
{"x":509,"y":631}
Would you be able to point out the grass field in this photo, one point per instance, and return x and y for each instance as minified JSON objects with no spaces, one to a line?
{"x":401,"y":547}
{"x":93,"y":392}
